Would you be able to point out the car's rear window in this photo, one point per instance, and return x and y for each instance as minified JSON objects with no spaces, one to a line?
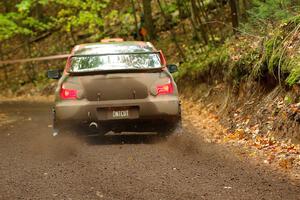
{"x":117,"y":61}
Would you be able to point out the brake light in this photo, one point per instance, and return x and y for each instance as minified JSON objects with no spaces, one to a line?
{"x":68,"y":93}
{"x":165,"y":89}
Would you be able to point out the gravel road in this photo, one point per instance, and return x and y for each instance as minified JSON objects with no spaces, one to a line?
{"x":34,"y":165}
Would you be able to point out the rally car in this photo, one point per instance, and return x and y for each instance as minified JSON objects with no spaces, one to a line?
{"x":116,"y":86}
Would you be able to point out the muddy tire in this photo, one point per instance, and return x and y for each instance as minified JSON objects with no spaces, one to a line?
{"x":172,"y":129}
{"x":61,"y":131}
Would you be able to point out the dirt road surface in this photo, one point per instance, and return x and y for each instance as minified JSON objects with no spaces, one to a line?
{"x":34,"y":165}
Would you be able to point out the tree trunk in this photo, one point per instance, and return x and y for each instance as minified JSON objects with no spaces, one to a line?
{"x":183,"y":13}
{"x":197,"y":17}
{"x":137,"y":35}
{"x":29,"y":67}
{"x":179,"y":7}
{"x":205,"y":16}
{"x":195,"y":31}
{"x":173,"y":34}
{"x":234,"y":16}
{"x":6,"y":6}
{"x":148,"y":18}
{"x":2,"y":56}
{"x":244,"y":6}
{"x":4,"y":67}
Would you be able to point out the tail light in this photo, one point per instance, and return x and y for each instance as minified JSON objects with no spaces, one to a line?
{"x":68,"y":93}
{"x":165,"y":89}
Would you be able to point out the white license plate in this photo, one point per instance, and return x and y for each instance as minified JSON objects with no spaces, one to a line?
{"x":120,"y":114}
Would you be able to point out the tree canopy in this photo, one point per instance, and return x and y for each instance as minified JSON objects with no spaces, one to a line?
{"x":31,"y":28}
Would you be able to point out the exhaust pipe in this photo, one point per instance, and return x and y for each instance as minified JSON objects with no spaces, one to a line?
{"x":93,"y":125}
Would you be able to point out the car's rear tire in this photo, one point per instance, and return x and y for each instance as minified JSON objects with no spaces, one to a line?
{"x":174,"y":128}
{"x":62,"y":131}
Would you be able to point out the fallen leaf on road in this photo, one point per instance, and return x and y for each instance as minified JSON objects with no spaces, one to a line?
{"x":99,"y":194}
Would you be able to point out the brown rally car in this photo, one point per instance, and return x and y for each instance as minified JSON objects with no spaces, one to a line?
{"x":118,"y":87}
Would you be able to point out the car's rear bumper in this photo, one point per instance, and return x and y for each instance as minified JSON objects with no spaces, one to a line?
{"x":162,"y":107}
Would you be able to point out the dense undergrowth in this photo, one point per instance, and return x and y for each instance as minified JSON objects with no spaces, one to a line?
{"x":247,"y":56}
{"x":266,"y":45}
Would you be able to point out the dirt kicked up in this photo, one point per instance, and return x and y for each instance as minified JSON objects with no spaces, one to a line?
{"x":34,"y":165}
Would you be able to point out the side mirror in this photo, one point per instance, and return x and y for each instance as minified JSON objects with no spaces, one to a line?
{"x":54,"y":74}
{"x":172,"y":68}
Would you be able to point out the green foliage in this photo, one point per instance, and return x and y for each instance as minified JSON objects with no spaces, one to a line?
{"x":78,"y":14}
{"x":25,"y":5}
{"x":294,"y":75}
{"x":272,"y":9}
{"x":9,"y":28}
{"x":250,"y":55}
{"x":269,"y":12}
{"x":170,"y":7}
{"x":69,"y":15}
{"x":278,"y":55}
{"x":281,"y":52}
{"x":121,"y":21}
{"x":275,"y":51}
{"x":211,"y":58}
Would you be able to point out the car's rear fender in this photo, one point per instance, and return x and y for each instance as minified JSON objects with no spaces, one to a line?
{"x":152,"y":107}
{"x":116,"y":86}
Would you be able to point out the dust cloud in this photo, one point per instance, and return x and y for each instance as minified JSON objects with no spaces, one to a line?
{"x":57,"y":148}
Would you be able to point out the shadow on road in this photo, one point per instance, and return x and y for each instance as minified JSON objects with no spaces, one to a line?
{"x":123,"y":139}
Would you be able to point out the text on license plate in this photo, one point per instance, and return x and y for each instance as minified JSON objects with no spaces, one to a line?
{"x":120,"y":113}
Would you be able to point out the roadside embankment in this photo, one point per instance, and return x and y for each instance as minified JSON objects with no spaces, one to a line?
{"x":263,"y":124}
{"x":249,"y":85}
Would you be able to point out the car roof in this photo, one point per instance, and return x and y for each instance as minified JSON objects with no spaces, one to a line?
{"x":114,"y":47}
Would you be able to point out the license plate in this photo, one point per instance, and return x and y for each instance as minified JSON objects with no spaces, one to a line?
{"x":120,"y":114}
{"x":116,"y":113}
